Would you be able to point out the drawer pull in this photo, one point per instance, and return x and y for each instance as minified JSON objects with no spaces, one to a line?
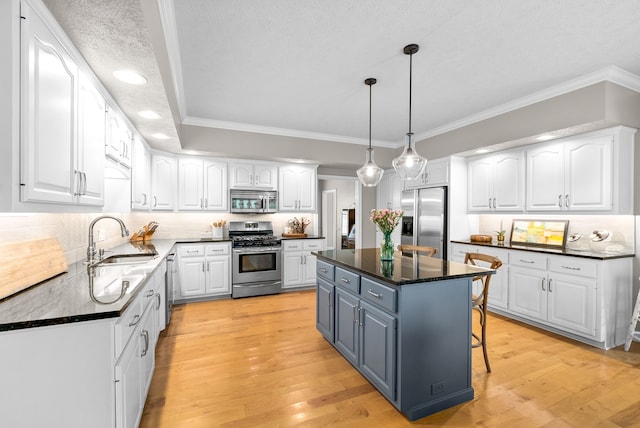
{"x":345,"y":280}
{"x":192,"y":251}
{"x":135,"y":320}
{"x":323,"y":270}
{"x":527,"y":261}
{"x":376,"y":295}
{"x":570,"y":267}
{"x":150,"y":293}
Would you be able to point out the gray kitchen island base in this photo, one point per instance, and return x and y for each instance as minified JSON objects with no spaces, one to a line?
{"x":407,"y":330}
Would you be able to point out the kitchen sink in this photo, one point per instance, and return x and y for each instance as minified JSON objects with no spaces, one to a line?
{"x":127,"y":259}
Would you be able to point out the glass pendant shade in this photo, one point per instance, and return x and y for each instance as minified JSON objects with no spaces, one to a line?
{"x":409,"y":165}
{"x":370,"y":174}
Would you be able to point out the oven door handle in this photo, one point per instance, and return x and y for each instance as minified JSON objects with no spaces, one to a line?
{"x":258,"y":285}
{"x":257,"y":250}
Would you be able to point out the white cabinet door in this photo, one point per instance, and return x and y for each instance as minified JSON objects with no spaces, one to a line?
{"x":588,"y":175}
{"x":190,"y":184}
{"x":265,"y":177}
{"x":498,"y":285}
{"x":218,"y":277}
{"x":91,"y":140}
{"x":140,"y":176}
{"x":128,"y":386}
{"x":545,"y":178}
{"x":48,"y":115}
{"x":241,"y":176}
{"x":163,"y":182}
{"x":192,"y":276}
{"x":480,"y":177}
{"x":215,"y":186}
{"x":118,"y":143}
{"x":292,"y":274}
{"x":297,"y":188}
{"x":309,"y":274}
{"x":527,"y":292}
{"x":572,"y":303}
{"x":147,"y":338}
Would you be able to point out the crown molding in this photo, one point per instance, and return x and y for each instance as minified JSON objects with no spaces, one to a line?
{"x":611,"y":74}
{"x":245,"y":127}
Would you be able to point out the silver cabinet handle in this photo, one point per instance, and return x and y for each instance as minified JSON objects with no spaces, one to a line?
{"x":207,"y":267}
{"x":144,"y":201}
{"x":145,"y":334}
{"x":566,"y":201}
{"x":345,"y":280}
{"x":155,"y":201}
{"x":202,"y":266}
{"x":135,"y":320}
{"x":527,"y":261}
{"x":206,"y":202}
{"x":355,"y":316}
{"x":159,"y":299}
{"x":323,"y":270}
{"x":550,"y":280}
{"x":78,"y":179}
{"x":560,"y":201}
{"x":570,"y":267}
{"x":305,"y":259}
{"x":489,"y":203}
{"x":494,"y":203}
{"x":376,"y":295}
{"x":543,"y":280}
{"x":201,"y":203}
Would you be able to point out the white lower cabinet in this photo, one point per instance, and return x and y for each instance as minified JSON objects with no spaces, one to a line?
{"x":204,"y":270}
{"x":298,"y":264}
{"x":583,"y":298}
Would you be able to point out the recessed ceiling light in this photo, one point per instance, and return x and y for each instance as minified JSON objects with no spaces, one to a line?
{"x":149,"y":114}
{"x":160,"y":136}
{"x":545,"y":137}
{"x":130,"y":76}
{"x":481,"y":151}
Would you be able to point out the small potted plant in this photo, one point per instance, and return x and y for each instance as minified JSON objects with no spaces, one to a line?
{"x":500,"y":234}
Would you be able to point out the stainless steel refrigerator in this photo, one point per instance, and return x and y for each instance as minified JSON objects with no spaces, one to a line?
{"x":425,"y":219}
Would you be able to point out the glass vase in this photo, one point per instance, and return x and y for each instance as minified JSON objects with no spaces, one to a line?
{"x":386,"y":247}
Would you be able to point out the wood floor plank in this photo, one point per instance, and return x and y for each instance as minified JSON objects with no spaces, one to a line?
{"x":260,"y":362}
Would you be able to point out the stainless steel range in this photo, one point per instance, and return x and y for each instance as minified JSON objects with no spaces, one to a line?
{"x":256,"y":259}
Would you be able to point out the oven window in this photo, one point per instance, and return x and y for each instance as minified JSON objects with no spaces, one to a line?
{"x":257,"y":262}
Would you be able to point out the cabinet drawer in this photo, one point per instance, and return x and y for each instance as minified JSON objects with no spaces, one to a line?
{"x":458,"y":251}
{"x":127,"y":323}
{"x":349,"y":280}
{"x":325,"y":270}
{"x":216,"y":250}
{"x":500,"y":253}
{"x":379,"y":294}
{"x":313,"y":245}
{"x":573,"y":266}
{"x":292,"y":245}
{"x":190,"y":250}
{"x":526,"y":259}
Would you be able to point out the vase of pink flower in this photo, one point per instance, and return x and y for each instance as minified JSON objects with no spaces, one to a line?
{"x":386,"y":220}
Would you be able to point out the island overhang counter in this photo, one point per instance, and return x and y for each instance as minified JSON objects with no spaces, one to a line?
{"x":405,"y":324}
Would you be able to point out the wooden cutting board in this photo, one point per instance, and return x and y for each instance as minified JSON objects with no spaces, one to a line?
{"x":25,"y":263}
{"x":481,"y":238}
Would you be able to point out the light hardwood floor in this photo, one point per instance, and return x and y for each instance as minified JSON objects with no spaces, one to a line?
{"x":260,"y":362}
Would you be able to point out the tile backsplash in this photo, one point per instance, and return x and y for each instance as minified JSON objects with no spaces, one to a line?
{"x":71,"y":229}
{"x":621,"y":228}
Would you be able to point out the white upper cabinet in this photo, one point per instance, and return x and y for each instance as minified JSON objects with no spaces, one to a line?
{"x":140,"y":176}
{"x":496,"y":182}
{"x":436,"y":173}
{"x":253,"y":176}
{"x":298,"y":188}
{"x":62,"y":122}
{"x":587,"y":173}
{"x":163,"y":182}
{"x":91,"y":138}
{"x":202,"y":185}
{"x":118,"y":146}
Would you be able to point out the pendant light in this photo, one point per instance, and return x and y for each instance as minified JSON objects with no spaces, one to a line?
{"x":410,"y":164}
{"x":370,"y":174}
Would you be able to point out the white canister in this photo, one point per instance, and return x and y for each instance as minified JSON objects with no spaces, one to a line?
{"x":217,"y":232}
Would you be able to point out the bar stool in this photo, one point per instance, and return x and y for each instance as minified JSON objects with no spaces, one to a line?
{"x":479,"y":301}
{"x":632,"y":334}
{"x":427,"y":251}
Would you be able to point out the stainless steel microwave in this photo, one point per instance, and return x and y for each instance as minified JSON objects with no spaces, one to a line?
{"x":254,"y":201}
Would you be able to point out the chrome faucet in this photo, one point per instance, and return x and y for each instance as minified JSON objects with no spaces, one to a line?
{"x":91,"y":249}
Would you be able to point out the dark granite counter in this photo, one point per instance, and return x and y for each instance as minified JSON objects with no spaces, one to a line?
{"x":562,"y":252}
{"x":79,"y":294}
{"x":284,"y":238}
{"x":402,"y":270}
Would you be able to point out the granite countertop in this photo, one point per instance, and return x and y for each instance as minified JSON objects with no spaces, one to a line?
{"x":284,"y":238}
{"x":70,"y":297}
{"x":402,"y":270}
{"x":563,"y":252}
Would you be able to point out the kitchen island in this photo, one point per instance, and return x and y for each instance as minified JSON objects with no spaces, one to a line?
{"x":403,"y":324}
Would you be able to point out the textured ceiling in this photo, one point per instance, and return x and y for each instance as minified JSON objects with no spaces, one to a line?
{"x":296,"y":67}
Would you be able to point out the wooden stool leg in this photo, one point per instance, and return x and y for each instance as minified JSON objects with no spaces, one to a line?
{"x":631,"y":333}
{"x":484,"y":337}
